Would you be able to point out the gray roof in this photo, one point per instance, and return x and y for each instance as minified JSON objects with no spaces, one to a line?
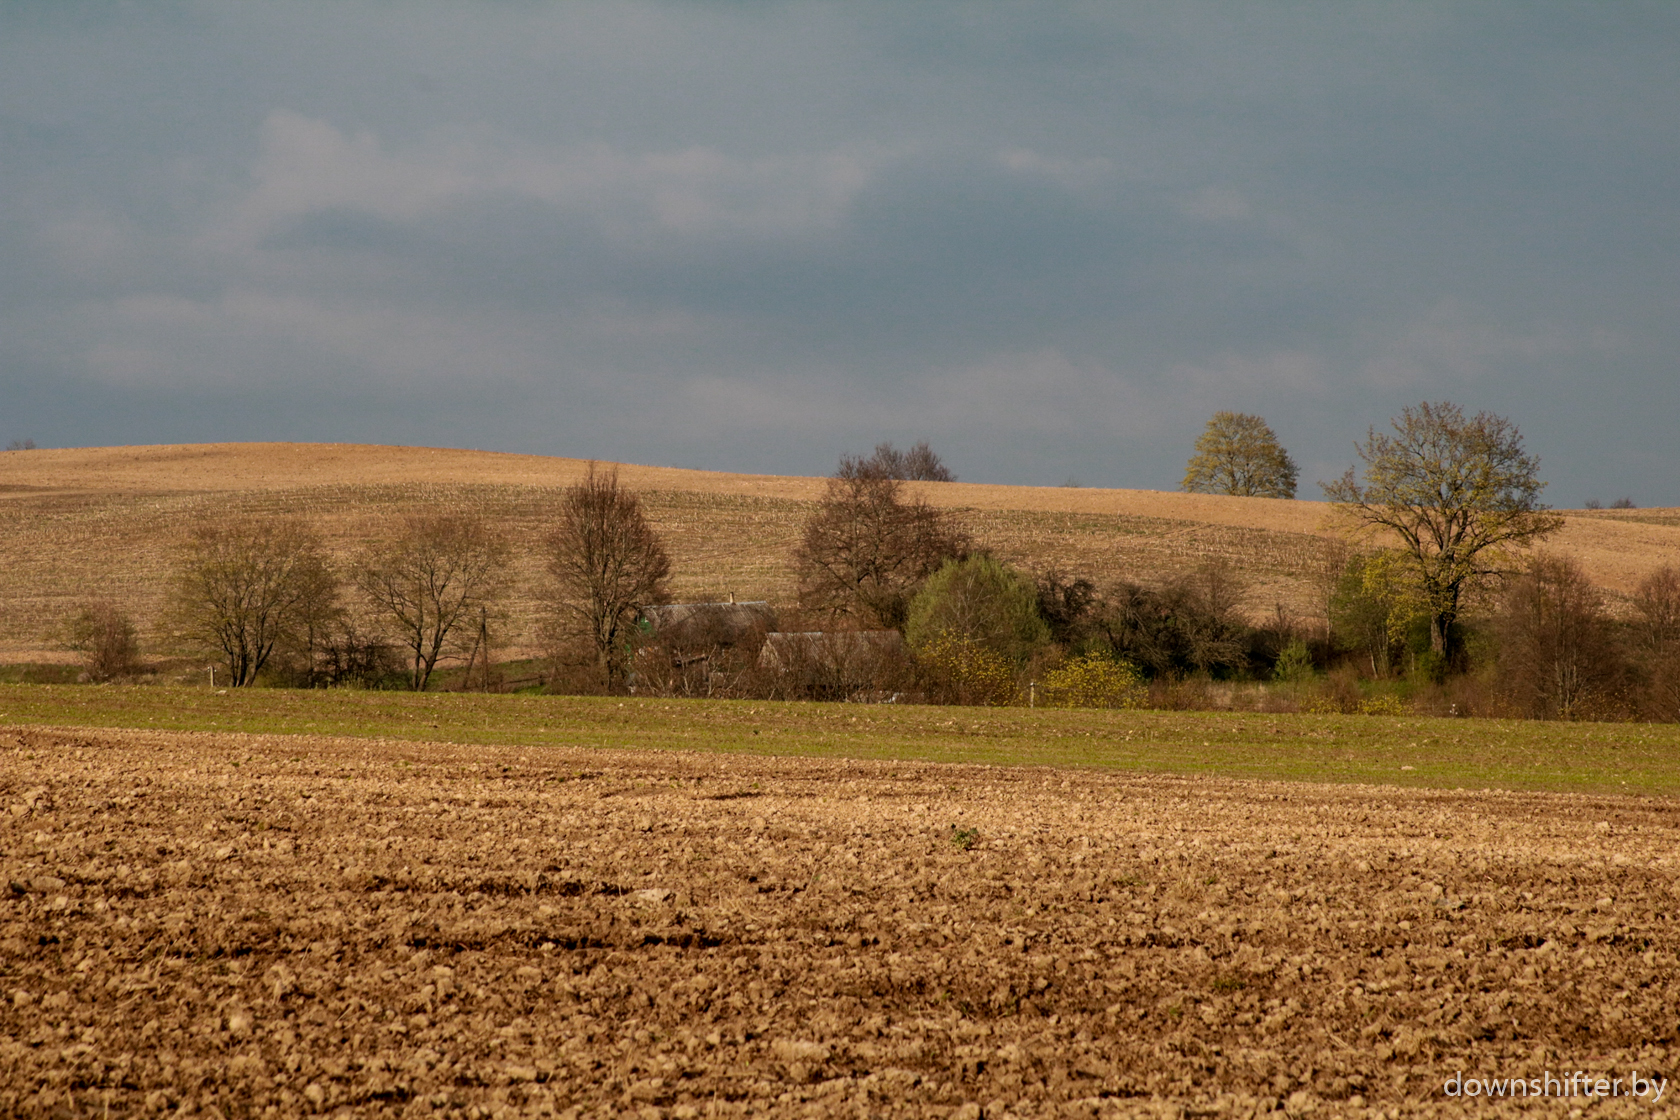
{"x":709,"y":624}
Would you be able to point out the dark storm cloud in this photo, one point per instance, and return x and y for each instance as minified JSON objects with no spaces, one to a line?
{"x":1051,"y":238}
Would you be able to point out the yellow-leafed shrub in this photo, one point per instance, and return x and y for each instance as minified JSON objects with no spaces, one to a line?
{"x":965,"y":672}
{"x":1382,"y":706}
{"x":1094,"y":682}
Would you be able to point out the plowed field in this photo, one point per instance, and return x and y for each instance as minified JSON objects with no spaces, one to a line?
{"x":247,"y":925}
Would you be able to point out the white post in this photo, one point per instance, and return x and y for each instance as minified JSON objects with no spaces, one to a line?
{"x":212,"y":676}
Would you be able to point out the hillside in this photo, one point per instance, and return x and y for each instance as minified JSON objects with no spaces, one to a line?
{"x":84,"y":523}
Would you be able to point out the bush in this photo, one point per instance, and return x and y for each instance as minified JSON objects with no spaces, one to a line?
{"x":1294,"y":664}
{"x":957,"y":670}
{"x":1094,"y":681}
{"x":1191,"y":627}
{"x":1385,"y":705}
{"x":105,"y":637}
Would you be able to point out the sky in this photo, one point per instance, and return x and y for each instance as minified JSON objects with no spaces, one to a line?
{"x":1052,"y":239}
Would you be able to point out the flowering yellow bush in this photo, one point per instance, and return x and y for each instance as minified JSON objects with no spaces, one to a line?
{"x":966,"y":671}
{"x":1093,"y":681}
{"x":1382,"y":706}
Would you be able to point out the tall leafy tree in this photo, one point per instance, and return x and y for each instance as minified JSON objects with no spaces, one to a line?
{"x":1456,"y":493}
{"x":980,"y":600}
{"x":1239,"y":454}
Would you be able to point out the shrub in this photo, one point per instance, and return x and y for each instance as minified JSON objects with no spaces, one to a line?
{"x":1557,"y":656}
{"x":958,"y":670}
{"x":105,"y":637}
{"x":1386,"y":705}
{"x":1294,"y":664}
{"x":1094,"y":681}
{"x":1190,"y":627}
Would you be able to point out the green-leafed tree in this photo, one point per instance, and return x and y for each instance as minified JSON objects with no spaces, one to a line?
{"x":1239,"y":454}
{"x":982,"y":601}
{"x":1455,"y":493}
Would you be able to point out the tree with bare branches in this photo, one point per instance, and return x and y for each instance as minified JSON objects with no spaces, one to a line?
{"x":433,"y":584}
{"x":1656,"y":627}
{"x":1457,"y":493}
{"x":606,"y":563}
{"x":241,"y":586}
{"x":919,"y":464}
{"x":104,"y":635}
{"x":1557,"y":653}
{"x":865,"y":550}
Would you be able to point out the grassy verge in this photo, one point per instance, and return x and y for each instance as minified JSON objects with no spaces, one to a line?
{"x":1437,"y":753}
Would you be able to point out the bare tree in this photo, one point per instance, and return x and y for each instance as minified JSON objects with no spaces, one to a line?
{"x":607,"y":563}
{"x":430,"y":584}
{"x":1456,"y":492}
{"x":242,"y":584}
{"x":919,"y":464}
{"x":865,"y":549}
{"x":1556,"y":651}
{"x":1657,"y":639}
{"x":105,"y":637}
{"x":1239,"y":454}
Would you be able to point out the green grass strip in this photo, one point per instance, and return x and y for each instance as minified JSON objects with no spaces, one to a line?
{"x":1627,"y":758}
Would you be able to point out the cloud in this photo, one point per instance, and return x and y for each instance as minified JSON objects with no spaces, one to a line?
{"x":1450,"y":346}
{"x":1043,"y":236}
{"x":308,"y":167}
{"x":249,"y":338}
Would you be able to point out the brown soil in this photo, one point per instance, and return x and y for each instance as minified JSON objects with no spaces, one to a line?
{"x":273,"y":926}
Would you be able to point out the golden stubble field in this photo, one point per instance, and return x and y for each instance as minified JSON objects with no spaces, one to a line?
{"x":234,"y":925}
{"x":77,"y":524}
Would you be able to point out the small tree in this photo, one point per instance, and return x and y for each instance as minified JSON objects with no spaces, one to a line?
{"x":1373,"y":608}
{"x":1556,"y":652}
{"x":1239,"y":454}
{"x":1456,"y":492}
{"x":606,"y":563}
{"x":982,"y":601}
{"x":1656,"y":627}
{"x":105,"y":637}
{"x":241,"y":585}
{"x":864,"y":550}
{"x":431,"y":584}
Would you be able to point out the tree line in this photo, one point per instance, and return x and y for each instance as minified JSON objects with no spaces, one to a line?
{"x":1437,"y":588}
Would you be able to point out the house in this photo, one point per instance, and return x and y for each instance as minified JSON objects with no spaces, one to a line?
{"x":697,"y":629}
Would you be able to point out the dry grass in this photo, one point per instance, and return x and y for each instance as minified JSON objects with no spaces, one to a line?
{"x":76,"y":522}
{"x":263,"y":925}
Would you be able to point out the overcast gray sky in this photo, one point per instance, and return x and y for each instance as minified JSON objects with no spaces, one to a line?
{"x":1050,"y":238}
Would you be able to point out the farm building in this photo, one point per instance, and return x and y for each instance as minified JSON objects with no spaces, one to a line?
{"x":698,"y":627}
